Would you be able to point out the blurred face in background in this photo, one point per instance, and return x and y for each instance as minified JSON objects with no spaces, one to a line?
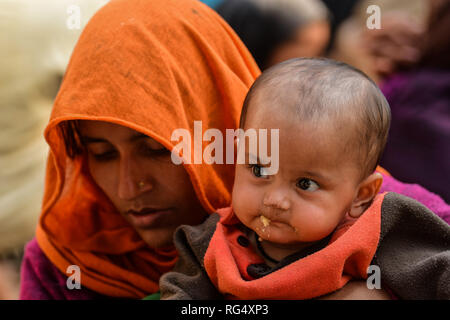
{"x":309,"y":40}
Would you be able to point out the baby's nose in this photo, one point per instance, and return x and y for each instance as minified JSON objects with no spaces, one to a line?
{"x":277,"y":202}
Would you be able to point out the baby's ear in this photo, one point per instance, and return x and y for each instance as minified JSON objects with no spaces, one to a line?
{"x":367,"y":190}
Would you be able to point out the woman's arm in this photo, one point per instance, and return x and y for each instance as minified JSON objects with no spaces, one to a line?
{"x":38,"y":281}
{"x":41,"y":280}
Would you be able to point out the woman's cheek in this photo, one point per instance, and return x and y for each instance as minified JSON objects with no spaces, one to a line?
{"x":104,"y":177}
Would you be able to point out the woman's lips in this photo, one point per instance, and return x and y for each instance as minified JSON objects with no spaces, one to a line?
{"x":146,"y":217}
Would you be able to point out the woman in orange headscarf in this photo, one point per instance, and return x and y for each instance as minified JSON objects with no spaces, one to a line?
{"x":113,"y":197}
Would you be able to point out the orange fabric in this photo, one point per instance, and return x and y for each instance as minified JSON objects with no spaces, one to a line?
{"x":153,"y":66}
{"x":348,"y":255}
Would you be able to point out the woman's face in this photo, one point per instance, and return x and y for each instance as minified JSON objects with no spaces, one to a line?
{"x":152,"y":194}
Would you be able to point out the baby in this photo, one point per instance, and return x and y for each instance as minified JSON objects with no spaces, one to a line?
{"x":333,"y":124}
{"x":309,"y":228}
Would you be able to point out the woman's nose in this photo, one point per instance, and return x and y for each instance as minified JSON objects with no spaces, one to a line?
{"x":277,"y":199}
{"x":132,"y":181}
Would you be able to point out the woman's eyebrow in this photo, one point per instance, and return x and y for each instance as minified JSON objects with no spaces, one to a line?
{"x":138,"y":136}
{"x":87,"y":139}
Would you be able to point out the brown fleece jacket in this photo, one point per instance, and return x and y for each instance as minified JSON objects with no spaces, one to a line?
{"x":413,"y":254}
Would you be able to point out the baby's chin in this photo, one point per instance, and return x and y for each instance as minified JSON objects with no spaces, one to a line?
{"x":285,"y":235}
{"x":288,"y":245}
{"x":277,"y":233}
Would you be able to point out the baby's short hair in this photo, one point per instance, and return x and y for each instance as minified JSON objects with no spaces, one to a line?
{"x":324,"y":89}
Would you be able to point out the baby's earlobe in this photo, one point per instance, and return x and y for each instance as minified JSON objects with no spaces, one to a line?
{"x":357,"y":211}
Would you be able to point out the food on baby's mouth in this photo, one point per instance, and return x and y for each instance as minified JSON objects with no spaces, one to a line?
{"x":265,"y":221}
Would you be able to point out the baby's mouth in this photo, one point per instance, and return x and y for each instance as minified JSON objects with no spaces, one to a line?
{"x":265,"y":221}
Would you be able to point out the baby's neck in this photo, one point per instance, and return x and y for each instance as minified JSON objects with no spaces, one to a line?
{"x":276,"y":251}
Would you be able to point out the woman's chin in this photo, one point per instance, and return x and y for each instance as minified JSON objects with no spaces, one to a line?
{"x":157,"y":238}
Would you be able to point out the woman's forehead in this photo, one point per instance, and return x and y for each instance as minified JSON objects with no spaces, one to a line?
{"x":103,"y":127}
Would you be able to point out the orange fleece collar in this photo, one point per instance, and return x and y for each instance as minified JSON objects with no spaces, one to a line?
{"x":347,"y":256}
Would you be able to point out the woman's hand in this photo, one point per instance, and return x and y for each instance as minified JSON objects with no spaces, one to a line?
{"x":357,"y":290}
{"x":395,"y":45}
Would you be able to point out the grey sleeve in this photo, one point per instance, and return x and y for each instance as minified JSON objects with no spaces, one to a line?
{"x":189,"y":280}
{"x":414,"y":250}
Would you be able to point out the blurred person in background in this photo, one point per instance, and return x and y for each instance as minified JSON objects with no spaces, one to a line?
{"x":409,"y":58}
{"x":212,"y":3}
{"x":380,"y":52}
{"x":36,"y":43}
{"x":339,"y":10}
{"x":418,"y":148}
{"x":278,"y":30}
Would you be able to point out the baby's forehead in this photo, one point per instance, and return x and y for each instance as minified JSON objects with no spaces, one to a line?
{"x":278,"y":101}
{"x":325,"y":135}
{"x":284,"y":109}
{"x":310,"y":147}
{"x":312,"y":87}
{"x":335,"y":101}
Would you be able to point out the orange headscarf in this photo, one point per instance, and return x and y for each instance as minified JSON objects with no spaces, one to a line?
{"x":152,"y":66}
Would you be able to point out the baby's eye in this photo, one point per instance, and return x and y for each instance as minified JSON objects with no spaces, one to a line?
{"x":307,"y":185}
{"x":258,"y":171}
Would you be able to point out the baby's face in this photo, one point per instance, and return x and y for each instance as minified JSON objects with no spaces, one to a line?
{"x":312,"y":191}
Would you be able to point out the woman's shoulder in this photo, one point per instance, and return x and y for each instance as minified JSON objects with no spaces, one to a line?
{"x":41,"y":280}
{"x":426,"y":83}
{"x":429,"y":199}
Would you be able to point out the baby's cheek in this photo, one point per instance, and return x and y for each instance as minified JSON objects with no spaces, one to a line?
{"x":314,"y":226}
{"x":245,"y":203}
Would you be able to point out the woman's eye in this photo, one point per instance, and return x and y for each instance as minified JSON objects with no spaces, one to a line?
{"x":104,"y":156}
{"x":155,"y":152}
{"x":258,"y":171}
{"x":307,"y":185}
